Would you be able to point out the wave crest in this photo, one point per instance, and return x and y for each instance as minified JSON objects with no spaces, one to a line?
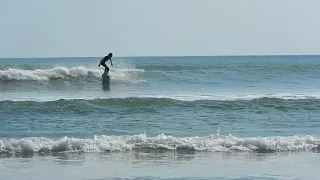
{"x":161,"y":142}
{"x":12,"y":74}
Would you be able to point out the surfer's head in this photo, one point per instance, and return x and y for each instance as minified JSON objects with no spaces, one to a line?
{"x":110,"y":55}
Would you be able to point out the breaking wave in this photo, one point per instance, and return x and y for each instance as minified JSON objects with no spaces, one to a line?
{"x":117,"y":74}
{"x":141,"y":142}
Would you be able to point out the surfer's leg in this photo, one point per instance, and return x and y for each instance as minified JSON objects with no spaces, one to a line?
{"x":106,"y":67}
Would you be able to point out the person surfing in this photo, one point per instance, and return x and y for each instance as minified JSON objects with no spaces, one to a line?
{"x":103,"y":62}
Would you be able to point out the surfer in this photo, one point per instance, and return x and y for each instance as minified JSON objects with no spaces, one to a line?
{"x":103,"y":62}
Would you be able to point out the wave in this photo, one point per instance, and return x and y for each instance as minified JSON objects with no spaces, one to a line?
{"x":67,"y":73}
{"x":80,"y":106}
{"x":182,"y":97}
{"x":237,"y":96}
{"x":141,"y":142}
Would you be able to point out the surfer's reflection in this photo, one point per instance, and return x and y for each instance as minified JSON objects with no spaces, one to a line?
{"x":105,"y":81}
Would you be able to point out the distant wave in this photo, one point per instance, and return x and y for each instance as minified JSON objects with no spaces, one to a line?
{"x":81,"y":105}
{"x":117,"y":74}
{"x":236,"y":96}
{"x":180,"y":96}
{"x":142,"y":142}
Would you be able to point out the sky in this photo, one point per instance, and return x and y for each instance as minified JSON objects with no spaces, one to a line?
{"x":83,"y":28}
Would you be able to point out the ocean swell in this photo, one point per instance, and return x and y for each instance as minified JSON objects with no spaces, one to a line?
{"x":81,"y":105}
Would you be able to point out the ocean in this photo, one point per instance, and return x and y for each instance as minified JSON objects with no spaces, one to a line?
{"x":217,"y":117}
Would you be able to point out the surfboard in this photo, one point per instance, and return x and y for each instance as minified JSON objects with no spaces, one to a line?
{"x":105,"y":78}
{"x":105,"y":81}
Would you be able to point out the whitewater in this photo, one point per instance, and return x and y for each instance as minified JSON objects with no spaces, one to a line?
{"x":65,"y":73}
{"x":142,"y":142}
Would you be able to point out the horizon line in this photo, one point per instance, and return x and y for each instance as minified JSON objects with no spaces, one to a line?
{"x":251,"y":55}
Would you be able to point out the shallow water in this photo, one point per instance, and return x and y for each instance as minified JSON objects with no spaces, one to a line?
{"x":226,"y":166}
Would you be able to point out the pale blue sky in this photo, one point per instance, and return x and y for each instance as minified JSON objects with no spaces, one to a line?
{"x":60,"y":28}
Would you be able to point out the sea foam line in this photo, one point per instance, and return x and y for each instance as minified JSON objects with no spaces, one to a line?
{"x":162,"y":142}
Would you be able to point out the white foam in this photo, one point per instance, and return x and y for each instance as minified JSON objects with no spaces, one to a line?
{"x":126,"y":75}
{"x":45,"y":74}
{"x":117,"y":74}
{"x":142,"y":141}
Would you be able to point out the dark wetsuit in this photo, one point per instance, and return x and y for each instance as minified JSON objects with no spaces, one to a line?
{"x":103,"y":63}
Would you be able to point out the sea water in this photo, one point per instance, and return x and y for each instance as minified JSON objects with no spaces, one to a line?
{"x":231,"y":117}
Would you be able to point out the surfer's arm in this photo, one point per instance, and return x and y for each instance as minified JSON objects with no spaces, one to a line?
{"x":111,"y":62}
